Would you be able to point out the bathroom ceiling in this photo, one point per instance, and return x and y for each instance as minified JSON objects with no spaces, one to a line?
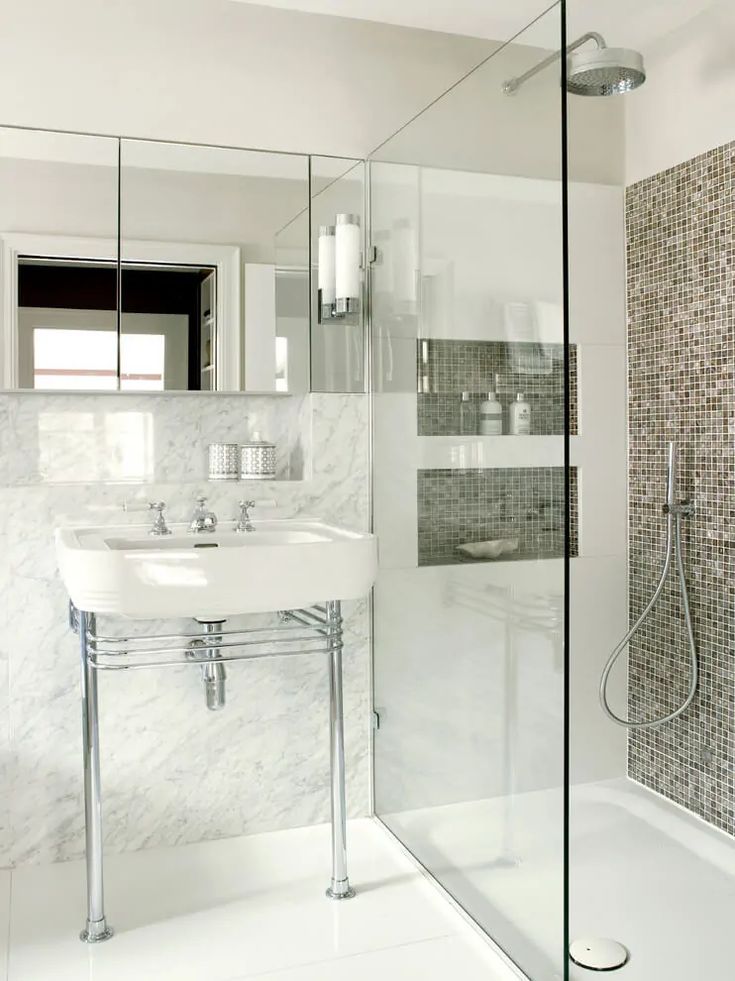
{"x":626,"y":21}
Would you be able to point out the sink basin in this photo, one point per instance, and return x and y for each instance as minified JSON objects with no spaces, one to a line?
{"x":280,"y":565}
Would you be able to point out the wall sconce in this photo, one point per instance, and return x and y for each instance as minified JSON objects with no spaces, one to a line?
{"x":347,"y":264}
{"x":340,"y":262}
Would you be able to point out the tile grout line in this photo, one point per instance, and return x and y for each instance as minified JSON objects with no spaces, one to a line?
{"x":342,"y":957}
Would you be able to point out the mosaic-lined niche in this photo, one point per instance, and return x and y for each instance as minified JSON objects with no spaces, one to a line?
{"x":446,"y":368}
{"x":681,"y":385}
{"x":524,"y":505}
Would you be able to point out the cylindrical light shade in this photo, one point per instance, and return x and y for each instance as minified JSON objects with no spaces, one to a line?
{"x":326,"y":258}
{"x":347,"y":261}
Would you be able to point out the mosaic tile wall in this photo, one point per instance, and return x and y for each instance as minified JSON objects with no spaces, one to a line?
{"x":448,"y":368}
{"x":681,"y":311}
{"x":457,"y":507}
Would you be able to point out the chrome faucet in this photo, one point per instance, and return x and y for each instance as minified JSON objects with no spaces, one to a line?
{"x":244,"y":523}
{"x":159,"y":521}
{"x":202,"y":520}
{"x":159,"y":526}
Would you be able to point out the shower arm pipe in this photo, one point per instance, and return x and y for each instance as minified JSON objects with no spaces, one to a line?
{"x":513,"y":84}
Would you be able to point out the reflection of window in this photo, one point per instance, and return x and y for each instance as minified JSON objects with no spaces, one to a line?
{"x":87,"y":359}
{"x":66,"y":305}
{"x":79,"y":359}
{"x":281,"y":364}
{"x":142,"y":358}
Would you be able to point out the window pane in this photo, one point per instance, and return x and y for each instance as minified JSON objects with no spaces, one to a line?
{"x":142,"y":360}
{"x":77,"y":359}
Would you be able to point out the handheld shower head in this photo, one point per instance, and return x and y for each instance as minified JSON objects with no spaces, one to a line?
{"x":671,"y":462}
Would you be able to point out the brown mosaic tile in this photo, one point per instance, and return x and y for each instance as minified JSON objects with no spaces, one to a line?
{"x":681,"y":350}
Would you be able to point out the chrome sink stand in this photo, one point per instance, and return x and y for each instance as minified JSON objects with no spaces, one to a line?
{"x":316,"y":630}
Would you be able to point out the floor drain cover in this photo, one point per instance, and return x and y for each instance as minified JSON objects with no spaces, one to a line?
{"x":598,"y":954}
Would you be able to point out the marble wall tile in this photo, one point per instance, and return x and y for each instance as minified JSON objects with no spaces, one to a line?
{"x":52,"y":439}
{"x":5,"y":758}
{"x":172,"y":771}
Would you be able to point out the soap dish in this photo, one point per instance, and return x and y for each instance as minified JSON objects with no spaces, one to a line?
{"x":492,"y":549}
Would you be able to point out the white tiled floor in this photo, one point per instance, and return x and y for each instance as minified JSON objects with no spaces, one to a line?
{"x":243,"y":908}
{"x":643,"y":872}
{"x":4,"y":923}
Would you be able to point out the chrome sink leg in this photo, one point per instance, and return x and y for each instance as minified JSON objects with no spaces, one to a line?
{"x":340,"y":885}
{"x":96,"y":929}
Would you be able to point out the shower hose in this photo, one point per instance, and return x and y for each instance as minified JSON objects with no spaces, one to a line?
{"x":674,"y":514}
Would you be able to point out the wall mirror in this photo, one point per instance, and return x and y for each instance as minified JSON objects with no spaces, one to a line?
{"x":59,"y":230}
{"x":132,"y":265}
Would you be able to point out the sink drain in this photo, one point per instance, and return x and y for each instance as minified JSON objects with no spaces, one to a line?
{"x":598,"y":954}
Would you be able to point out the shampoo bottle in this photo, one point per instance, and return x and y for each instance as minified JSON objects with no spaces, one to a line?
{"x":520,"y":416}
{"x":491,"y":416}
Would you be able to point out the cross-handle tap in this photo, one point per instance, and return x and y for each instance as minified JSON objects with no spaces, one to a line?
{"x":159,"y":526}
{"x":244,"y":523}
{"x":202,"y":520}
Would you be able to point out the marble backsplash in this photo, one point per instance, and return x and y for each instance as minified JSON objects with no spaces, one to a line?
{"x":172,"y":772}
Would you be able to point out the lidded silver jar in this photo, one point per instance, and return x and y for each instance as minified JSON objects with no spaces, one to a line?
{"x":258,"y":459}
{"x":224,"y":461}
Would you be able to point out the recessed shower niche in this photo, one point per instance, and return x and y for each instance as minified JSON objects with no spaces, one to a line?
{"x":473,"y":502}
{"x":448,"y":368}
{"x":503,"y":514}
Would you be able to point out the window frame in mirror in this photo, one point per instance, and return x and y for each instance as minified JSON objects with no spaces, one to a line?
{"x":224,"y":259}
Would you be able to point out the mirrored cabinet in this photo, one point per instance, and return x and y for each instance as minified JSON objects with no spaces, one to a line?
{"x":136,"y":265}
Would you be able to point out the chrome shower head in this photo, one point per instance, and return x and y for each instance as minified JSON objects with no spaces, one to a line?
{"x":604,"y":71}
{"x":601,"y":71}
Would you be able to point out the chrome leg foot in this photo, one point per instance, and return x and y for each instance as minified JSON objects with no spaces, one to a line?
{"x":96,"y":933}
{"x":340,"y":890}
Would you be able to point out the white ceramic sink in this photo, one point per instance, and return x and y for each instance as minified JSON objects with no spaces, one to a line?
{"x":280,"y":565}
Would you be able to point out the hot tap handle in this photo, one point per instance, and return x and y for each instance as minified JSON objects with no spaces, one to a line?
{"x":159,"y":522}
{"x":132,"y":506}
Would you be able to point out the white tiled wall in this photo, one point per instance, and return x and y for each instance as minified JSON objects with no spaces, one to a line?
{"x":427,"y":658}
{"x":598,"y":591}
{"x":172,"y":771}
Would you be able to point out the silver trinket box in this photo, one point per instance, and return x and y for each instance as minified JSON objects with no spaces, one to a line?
{"x":258,"y":459}
{"x":224,"y":461}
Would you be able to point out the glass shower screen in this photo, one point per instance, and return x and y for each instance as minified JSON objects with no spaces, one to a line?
{"x":469,"y":370}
